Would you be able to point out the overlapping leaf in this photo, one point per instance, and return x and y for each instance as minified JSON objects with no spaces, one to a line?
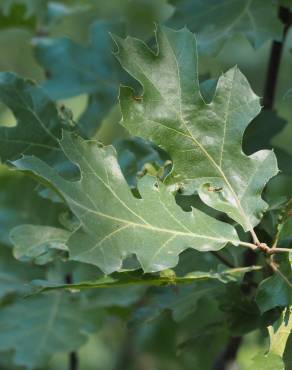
{"x":214,"y":22}
{"x":203,"y":140}
{"x":115,"y":224}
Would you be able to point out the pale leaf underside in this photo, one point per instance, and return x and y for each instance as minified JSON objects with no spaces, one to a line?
{"x":115,"y":224}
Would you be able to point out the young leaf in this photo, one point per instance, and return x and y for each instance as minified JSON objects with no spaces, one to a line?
{"x":267,"y":362}
{"x":203,"y":140}
{"x":279,"y":333}
{"x":217,"y":21}
{"x":115,"y":224}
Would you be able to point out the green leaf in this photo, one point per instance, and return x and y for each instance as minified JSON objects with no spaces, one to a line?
{"x":279,"y":333}
{"x":284,"y":227}
{"x":203,"y":140}
{"x":125,"y":279}
{"x":260,"y":133}
{"x":35,"y":241}
{"x":289,"y":92}
{"x":287,"y":3}
{"x":154,"y":227}
{"x":16,"y":209}
{"x":33,"y":7}
{"x":38,"y":327}
{"x":276,"y":290}
{"x":15,"y":276}
{"x":16,"y":17}
{"x":137,"y":15}
{"x":38,"y":121}
{"x":273,"y":292}
{"x":133,"y":154}
{"x":267,"y":362}
{"x":215,"y":22}
{"x":73,"y":69}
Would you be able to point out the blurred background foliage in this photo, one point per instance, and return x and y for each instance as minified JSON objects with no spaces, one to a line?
{"x":66,"y":47}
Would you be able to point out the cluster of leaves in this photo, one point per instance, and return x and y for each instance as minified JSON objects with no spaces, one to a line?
{"x":167,"y":225}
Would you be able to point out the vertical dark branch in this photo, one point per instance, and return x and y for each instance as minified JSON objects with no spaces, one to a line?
{"x":126,"y":356}
{"x":275,"y":58}
{"x":73,"y":357}
{"x":73,"y":361}
{"x":228,"y":355}
{"x":226,"y":358}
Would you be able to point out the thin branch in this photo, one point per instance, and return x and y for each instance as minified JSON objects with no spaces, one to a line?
{"x":250,"y":245}
{"x":275,"y":250}
{"x":264,"y":248}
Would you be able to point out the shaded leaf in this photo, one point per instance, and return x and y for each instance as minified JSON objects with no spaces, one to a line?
{"x":284,"y":227}
{"x":16,"y":209}
{"x":73,"y":69}
{"x":181,"y":302}
{"x":37,"y":242}
{"x":276,"y":290}
{"x":260,"y":133}
{"x":15,"y":276}
{"x":38,"y":121}
{"x":215,"y":22}
{"x":125,"y":279}
{"x":45,"y":325}
{"x":133,"y":154}
{"x":16,"y":16}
